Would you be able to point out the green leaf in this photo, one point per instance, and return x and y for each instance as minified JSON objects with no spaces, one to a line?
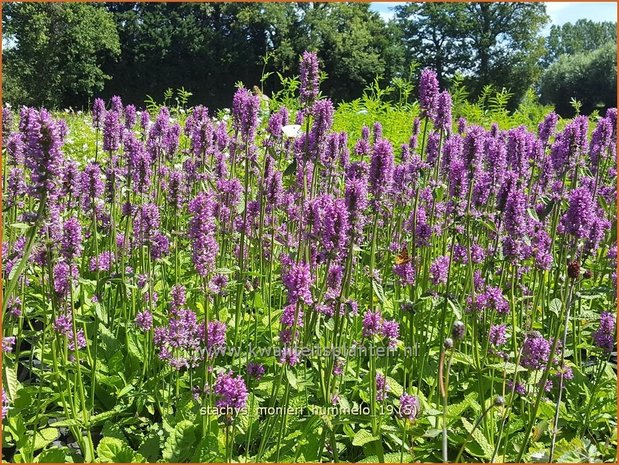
{"x":66,"y":423}
{"x":208,"y":450}
{"x":459,"y":357}
{"x":455,"y":308}
{"x":151,"y":448}
{"x":113,"y":430}
{"x":11,"y":382}
{"x":101,"y":417}
{"x":378,"y":290}
{"x":113,"y":450}
{"x":480,"y":439}
{"x":292,"y":379}
{"x":291,"y":168}
{"x":45,"y":437}
{"x":55,"y":455}
{"x":180,"y":444}
{"x":555,"y":306}
{"x":363,"y":437}
{"x":396,"y":388}
{"x":135,"y":349}
{"x":22,"y":226}
{"x":455,"y":410}
{"x":393,"y":457}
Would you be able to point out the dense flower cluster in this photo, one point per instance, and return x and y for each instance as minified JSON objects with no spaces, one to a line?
{"x":605,"y":336}
{"x":182,"y":238}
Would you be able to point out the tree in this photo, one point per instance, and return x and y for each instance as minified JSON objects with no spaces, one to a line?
{"x":433,"y":35}
{"x":491,"y":43}
{"x":208,"y":47}
{"x":582,"y":36}
{"x":506,"y":44}
{"x":55,"y":52}
{"x":353,"y":43}
{"x":590,"y":77}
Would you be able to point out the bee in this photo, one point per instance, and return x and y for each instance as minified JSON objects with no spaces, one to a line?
{"x":403,"y":257}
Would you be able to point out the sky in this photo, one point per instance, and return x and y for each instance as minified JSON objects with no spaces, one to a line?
{"x":559,"y":12}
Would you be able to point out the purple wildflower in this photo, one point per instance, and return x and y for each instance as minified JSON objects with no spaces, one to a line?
{"x":202,"y":233}
{"x":409,"y":406}
{"x":112,"y":132}
{"x":231,"y":393}
{"x":604,"y":337}
{"x":297,"y":280}
{"x":442,"y":118}
{"x":497,"y":335}
{"x":289,"y":356}
{"x":580,"y":214}
{"x":144,"y":320}
{"x":535,"y":351}
{"x":439,"y":270}
{"x":329,"y":219}
{"x":428,"y":92}
{"x":382,"y":387}
{"x":255,"y":370}
{"x":43,"y":144}
{"x":102,"y":262}
{"x":8,"y":343}
{"x":215,"y":337}
{"x":372,"y":323}
{"x":381,"y":168}
{"x":98,"y":113}
{"x":309,"y":75}
{"x":245,"y":108}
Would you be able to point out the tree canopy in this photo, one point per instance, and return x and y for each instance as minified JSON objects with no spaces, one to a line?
{"x":56,"y":52}
{"x":65,"y":54}
{"x":589,"y":77}
{"x":582,"y":36}
{"x":491,"y":43}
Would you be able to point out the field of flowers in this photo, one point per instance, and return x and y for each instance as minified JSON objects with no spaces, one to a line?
{"x":258,"y":287}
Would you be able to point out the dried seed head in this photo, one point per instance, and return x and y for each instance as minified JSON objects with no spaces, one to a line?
{"x":573,"y":269}
{"x":458,"y":330}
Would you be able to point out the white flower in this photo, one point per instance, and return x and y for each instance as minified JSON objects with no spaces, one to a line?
{"x":292,"y":130}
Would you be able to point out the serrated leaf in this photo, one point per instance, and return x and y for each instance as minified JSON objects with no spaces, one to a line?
{"x":151,"y":448}
{"x":378,"y":290}
{"x":208,"y":450}
{"x":480,"y":439}
{"x":395,"y":387}
{"x":101,"y":417}
{"x":44,"y":437}
{"x":54,"y":455}
{"x":454,"y":411}
{"x":179,"y":444}
{"x":66,"y":423}
{"x":113,"y":450}
{"x":292,"y":379}
{"x":392,"y":457}
{"x":363,"y":437}
{"x":11,"y":382}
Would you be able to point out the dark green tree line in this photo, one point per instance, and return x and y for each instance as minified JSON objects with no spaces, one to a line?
{"x":55,"y":52}
{"x":65,"y":54}
{"x":495,"y":44}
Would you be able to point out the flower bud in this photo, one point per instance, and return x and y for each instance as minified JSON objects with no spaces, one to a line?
{"x":458,"y":331}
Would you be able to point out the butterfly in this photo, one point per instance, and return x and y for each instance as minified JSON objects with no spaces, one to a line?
{"x":403,"y":257}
